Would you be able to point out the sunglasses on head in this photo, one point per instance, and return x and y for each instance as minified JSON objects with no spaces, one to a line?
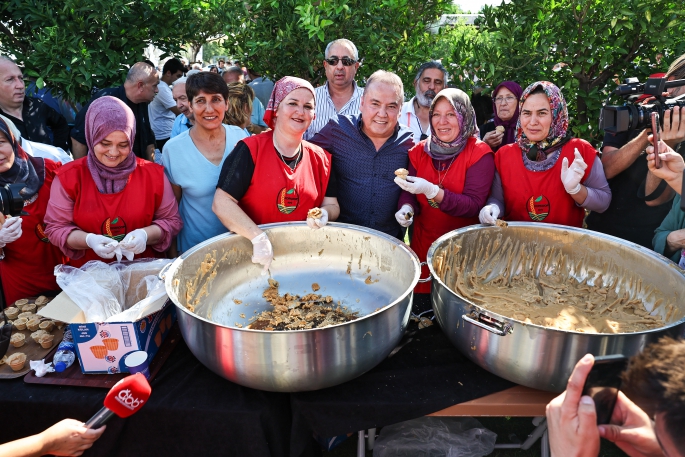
{"x":345,"y":61}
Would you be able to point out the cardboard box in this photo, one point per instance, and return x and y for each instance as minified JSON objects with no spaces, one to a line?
{"x":101,"y":347}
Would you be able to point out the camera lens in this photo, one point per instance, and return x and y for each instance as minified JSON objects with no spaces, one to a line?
{"x":10,"y":199}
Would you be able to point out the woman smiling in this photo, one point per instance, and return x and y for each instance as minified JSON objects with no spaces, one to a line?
{"x":450,"y":174}
{"x":111,"y":202}
{"x":531,"y":183}
{"x":276,"y":176}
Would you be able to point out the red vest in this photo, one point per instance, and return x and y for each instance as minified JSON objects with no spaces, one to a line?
{"x":431,"y":223}
{"x":539,"y":196}
{"x":113,"y":215}
{"x":29,"y":264}
{"x":279,"y":194}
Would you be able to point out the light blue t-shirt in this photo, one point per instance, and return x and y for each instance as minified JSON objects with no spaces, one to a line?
{"x":257,"y":117}
{"x":186,"y":167}
{"x":181,"y":124}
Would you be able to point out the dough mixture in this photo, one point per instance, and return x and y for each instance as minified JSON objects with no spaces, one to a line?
{"x":292,"y":312}
{"x":500,"y":275}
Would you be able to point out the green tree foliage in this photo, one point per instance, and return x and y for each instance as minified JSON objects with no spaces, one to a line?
{"x":288,"y":37}
{"x":585,"y":47}
{"x":74,"y":45}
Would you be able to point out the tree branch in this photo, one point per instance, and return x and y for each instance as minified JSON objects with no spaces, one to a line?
{"x":16,"y":42}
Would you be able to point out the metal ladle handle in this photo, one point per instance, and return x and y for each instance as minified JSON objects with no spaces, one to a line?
{"x":491,"y":325}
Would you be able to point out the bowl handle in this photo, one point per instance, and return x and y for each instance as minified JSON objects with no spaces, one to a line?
{"x":430,"y":277}
{"x":162,"y":273}
{"x":488,"y":323}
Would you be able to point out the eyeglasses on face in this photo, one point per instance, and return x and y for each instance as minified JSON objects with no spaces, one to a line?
{"x":507,"y":100}
{"x":345,"y":61}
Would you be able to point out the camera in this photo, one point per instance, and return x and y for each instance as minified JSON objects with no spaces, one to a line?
{"x":634,"y":116}
{"x":11,"y":201}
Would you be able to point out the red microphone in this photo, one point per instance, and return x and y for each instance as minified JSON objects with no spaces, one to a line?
{"x":124,"y":399}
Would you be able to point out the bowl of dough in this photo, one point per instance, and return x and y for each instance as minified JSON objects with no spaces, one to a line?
{"x":334,"y":304}
{"x":526,"y":301}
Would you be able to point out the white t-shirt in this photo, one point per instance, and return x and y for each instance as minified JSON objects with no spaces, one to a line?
{"x":161,"y":117}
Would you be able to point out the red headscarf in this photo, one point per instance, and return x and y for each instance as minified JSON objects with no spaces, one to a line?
{"x":282,"y":88}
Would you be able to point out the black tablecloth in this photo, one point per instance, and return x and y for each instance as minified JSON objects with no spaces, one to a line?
{"x":192,"y":411}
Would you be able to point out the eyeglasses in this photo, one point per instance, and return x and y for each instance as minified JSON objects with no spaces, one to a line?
{"x":345,"y":61}
{"x":507,"y":100}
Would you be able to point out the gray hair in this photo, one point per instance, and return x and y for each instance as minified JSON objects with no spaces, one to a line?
{"x":389,"y":78}
{"x":7,"y":59}
{"x":181,"y":80}
{"x":428,"y":65}
{"x":343,"y":42}
{"x":140,"y":71}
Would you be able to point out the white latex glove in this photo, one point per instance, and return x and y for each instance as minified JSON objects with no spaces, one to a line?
{"x":135,"y":242}
{"x":104,"y":247}
{"x":262,"y":251}
{"x":401,"y":215}
{"x":571,"y":176}
{"x":318,"y":223}
{"x":489,"y":214}
{"x":10,"y":231}
{"x":416,"y":185}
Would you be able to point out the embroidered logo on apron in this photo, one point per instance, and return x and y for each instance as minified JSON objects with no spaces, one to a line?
{"x":538,"y":208}
{"x":114,"y":228}
{"x":287,"y":200}
{"x":40,"y":233}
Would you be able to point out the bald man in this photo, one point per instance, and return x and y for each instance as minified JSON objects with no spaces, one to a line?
{"x":137,"y":92}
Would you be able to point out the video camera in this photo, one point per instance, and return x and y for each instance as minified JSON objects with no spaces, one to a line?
{"x":634,"y":116}
{"x":11,"y":201}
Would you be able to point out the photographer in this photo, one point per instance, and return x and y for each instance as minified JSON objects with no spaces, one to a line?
{"x":640,"y":200}
{"x":657,"y":376}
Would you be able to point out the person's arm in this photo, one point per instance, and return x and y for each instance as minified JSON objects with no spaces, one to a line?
{"x":672,"y":166}
{"x":150,"y":152}
{"x":330,"y":204}
{"x":68,"y":438}
{"x":615,"y":160}
{"x":631,"y":430}
{"x":166,"y":222}
{"x":477,"y":183}
{"x":497,"y":193}
{"x":78,"y":149}
{"x":232,"y":216}
{"x":168,"y":171}
{"x":669,"y":237}
{"x":598,"y":192}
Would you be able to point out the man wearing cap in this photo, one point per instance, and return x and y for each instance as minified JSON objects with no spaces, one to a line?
{"x":234,"y":74}
{"x":430,"y":79}
{"x":33,"y":118}
{"x":340,"y":95}
{"x":640,"y":200}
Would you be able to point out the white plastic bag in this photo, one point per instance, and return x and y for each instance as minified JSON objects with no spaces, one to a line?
{"x":105,"y":290}
{"x":435,"y":437}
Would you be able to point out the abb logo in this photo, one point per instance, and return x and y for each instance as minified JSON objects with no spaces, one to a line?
{"x":125,"y":398}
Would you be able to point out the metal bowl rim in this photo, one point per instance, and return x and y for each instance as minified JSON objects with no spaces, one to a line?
{"x":179,"y":260}
{"x":448,"y":235}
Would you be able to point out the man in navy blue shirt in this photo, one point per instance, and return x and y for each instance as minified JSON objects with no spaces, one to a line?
{"x":366,"y":150}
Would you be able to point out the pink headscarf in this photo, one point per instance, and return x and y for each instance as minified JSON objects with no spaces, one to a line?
{"x":106,"y":115}
{"x":282,"y":88}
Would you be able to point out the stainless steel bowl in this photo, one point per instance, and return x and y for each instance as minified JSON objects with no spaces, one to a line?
{"x":364,"y":269}
{"x":542,"y":357}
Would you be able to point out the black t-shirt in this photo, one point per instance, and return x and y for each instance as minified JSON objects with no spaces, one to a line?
{"x":628,"y":216}
{"x":144,"y":134}
{"x":41,"y":123}
{"x":238,"y":169}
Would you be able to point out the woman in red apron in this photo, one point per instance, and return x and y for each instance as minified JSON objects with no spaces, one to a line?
{"x":450,"y":174}
{"x":276,"y":176}
{"x":27,"y":259}
{"x":532,"y":184}
{"x":111,"y":203}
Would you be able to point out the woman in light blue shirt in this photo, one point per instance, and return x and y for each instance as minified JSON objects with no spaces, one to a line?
{"x":193,"y":159}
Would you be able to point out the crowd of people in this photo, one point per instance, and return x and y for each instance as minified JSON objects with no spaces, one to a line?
{"x":174,"y":157}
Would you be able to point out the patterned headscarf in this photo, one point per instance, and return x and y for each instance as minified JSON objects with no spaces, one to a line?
{"x":466,"y":115}
{"x":281,"y":89}
{"x":510,"y":125}
{"x":26,"y":169}
{"x":558,"y":130}
{"x":104,"y":116}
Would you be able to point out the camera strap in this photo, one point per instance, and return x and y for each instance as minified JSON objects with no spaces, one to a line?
{"x":654,"y":195}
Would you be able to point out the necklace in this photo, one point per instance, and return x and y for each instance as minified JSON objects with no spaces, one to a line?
{"x":442,"y":177}
{"x":298,"y":156}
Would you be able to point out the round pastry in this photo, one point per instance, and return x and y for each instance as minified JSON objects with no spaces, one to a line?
{"x":46,"y":341}
{"x":41,"y":300}
{"x":31,"y":308}
{"x":25,"y":315}
{"x":16,"y":361}
{"x":18,"y":340}
{"x":21,"y":302}
{"x":48,"y":326}
{"x":402,"y":173}
{"x":20,"y":324}
{"x":37,"y":334}
{"x":315,"y":213}
{"x":33,"y":324}
{"x":11,"y":312}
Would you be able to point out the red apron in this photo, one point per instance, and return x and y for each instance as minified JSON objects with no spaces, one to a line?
{"x":431,"y":223}
{"x":279,"y":194}
{"x":539,"y":196}
{"x":113,"y":215}
{"x":29,"y":264}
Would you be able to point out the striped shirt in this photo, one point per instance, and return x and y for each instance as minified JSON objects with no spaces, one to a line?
{"x":325,"y":108}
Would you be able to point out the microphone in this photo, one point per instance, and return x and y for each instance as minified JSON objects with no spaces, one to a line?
{"x":124,"y":399}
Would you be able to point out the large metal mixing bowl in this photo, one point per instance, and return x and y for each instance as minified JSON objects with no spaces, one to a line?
{"x":542,"y":357}
{"x":363,"y":269}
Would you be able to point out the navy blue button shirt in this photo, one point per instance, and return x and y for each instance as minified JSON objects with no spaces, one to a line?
{"x":367,"y":194}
